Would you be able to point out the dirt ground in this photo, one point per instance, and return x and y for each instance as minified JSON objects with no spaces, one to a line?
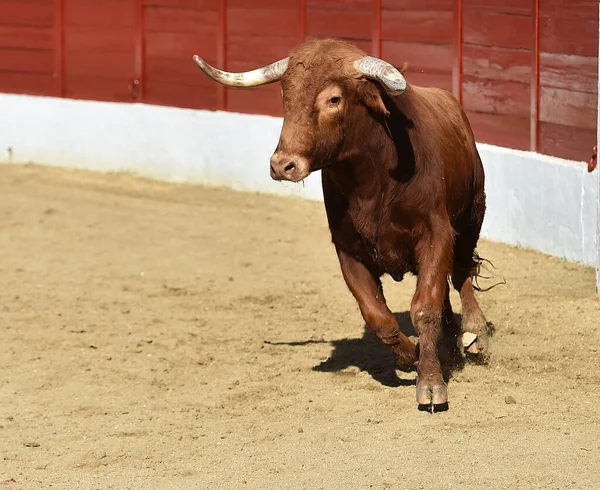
{"x":164,"y":336}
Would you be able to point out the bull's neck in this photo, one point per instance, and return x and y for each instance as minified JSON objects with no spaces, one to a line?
{"x":361,"y":174}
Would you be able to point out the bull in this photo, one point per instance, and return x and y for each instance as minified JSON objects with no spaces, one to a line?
{"x":403,"y":188}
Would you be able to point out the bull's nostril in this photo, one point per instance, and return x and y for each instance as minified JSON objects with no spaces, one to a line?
{"x":289,"y":167}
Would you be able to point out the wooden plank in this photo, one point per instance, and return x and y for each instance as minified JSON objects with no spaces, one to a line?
{"x":95,"y":88}
{"x":569,"y":108}
{"x":101,"y":64}
{"x":260,"y":100}
{"x":23,"y":13}
{"x":260,"y":49}
{"x":427,"y":26}
{"x":187,"y":4}
{"x":27,"y":83}
{"x":182,"y":45}
{"x":177,"y":71}
{"x":417,"y":5}
{"x":167,"y":19}
{"x":347,"y":24}
{"x":569,"y":36}
{"x":26,"y":60}
{"x":426,"y":57}
{"x":496,"y":63}
{"x":489,"y":28}
{"x":261,"y":22}
{"x":495,"y":129}
{"x":99,"y":38}
{"x":26,"y":37}
{"x":496,"y":97}
{"x":364,"y":5}
{"x":181,"y":95}
{"x":515,"y":7}
{"x":566,"y":141}
{"x":263,"y":4}
{"x":96,"y":13}
{"x":569,"y":9}
{"x":569,"y":72}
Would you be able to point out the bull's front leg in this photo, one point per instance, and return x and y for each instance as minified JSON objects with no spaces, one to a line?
{"x":368,"y":293}
{"x":427,"y":308}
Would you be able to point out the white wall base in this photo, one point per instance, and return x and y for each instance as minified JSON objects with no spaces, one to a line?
{"x":534,"y":201}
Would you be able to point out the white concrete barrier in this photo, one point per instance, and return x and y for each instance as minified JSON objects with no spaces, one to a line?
{"x":534,"y":201}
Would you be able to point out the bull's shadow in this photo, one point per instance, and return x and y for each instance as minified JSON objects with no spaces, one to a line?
{"x":369,"y":354}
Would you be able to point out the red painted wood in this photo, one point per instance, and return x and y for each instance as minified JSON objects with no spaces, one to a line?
{"x":302,"y":15}
{"x":578,"y":73}
{"x":26,"y":61}
{"x":262,"y":22}
{"x":489,"y":28}
{"x":508,"y":131}
{"x":260,"y":49}
{"x":520,"y":7}
{"x":568,"y":35}
{"x":566,"y":141}
{"x":186,"y":4}
{"x":266,"y":100}
{"x":58,"y":69}
{"x":26,"y":37}
{"x":100,"y":13}
{"x":348,"y":24}
{"x":27,"y":83}
{"x":138,"y":87}
{"x":427,"y":57}
{"x":182,"y":44}
{"x":191,"y":96}
{"x":221,"y":51}
{"x":496,"y":97}
{"x":24,"y":13}
{"x":417,"y":4}
{"x":575,"y":109}
{"x":495,"y":63}
{"x":377,"y":29}
{"x":425,"y":26}
{"x":458,"y":68}
{"x":365,"y":5}
{"x":535,"y":77}
{"x":168,"y":19}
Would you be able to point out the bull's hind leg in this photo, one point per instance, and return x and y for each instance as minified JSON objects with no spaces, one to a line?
{"x":464,"y":268}
{"x":367,"y":291}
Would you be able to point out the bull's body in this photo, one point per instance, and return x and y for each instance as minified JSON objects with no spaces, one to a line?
{"x":403,"y":188}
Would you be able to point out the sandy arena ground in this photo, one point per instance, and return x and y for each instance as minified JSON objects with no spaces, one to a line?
{"x":159,"y":336}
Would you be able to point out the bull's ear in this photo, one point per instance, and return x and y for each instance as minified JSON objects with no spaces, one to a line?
{"x":370,"y":96}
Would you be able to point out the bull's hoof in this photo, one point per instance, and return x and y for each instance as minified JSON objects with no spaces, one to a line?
{"x":406,"y":355}
{"x":475,"y":335}
{"x":432,"y":397}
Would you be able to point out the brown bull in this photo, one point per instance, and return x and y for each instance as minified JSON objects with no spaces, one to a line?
{"x":403,"y":187}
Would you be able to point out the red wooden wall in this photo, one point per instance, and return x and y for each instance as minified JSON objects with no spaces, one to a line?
{"x":526,"y":71}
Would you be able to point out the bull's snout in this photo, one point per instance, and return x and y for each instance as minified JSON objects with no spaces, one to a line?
{"x":285,"y":166}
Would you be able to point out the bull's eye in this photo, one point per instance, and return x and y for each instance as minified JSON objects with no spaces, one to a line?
{"x":335,"y":100}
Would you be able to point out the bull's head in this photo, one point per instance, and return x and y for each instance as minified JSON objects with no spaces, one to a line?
{"x":327,"y":86}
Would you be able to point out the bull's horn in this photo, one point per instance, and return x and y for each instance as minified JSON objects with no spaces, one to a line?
{"x":387,"y":74}
{"x":261,"y":76}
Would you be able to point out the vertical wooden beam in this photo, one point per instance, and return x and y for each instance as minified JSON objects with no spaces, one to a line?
{"x":59,"y":47}
{"x":457,"y":70}
{"x":222,"y":51}
{"x":535,"y":77}
{"x":138,"y":90}
{"x":376,"y":29}
{"x":302,"y":15}
{"x":598,"y":184}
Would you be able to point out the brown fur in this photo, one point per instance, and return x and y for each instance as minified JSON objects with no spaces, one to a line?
{"x":404,"y":192}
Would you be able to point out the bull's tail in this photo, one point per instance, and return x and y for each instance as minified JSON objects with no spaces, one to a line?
{"x":478,"y":264}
